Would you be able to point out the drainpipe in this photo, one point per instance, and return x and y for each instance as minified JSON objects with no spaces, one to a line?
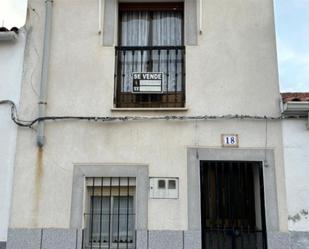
{"x":44,"y":71}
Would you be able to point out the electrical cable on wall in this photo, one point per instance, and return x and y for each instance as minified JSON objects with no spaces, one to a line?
{"x":14,"y":116}
{"x":31,"y":123}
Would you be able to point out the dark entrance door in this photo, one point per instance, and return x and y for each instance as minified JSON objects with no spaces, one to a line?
{"x":232,"y":205}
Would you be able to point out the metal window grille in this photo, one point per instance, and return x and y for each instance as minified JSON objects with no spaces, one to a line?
{"x":110,"y":213}
{"x":170,"y":60}
{"x":156,"y":46}
{"x":232,"y":205}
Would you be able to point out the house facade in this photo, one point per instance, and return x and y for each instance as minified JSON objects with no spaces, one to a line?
{"x":163,"y":127}
{"x":12,"y":45}
{"x":295,"y":132}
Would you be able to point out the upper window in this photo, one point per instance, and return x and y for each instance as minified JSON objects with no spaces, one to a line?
{"x":150,"y":65}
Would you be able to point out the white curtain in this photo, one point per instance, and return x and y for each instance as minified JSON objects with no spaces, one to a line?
{"x":167,"y":28}
{"x":135,"y":28}
{"x":159,"y":28}
{"x":125,"y":224}
{"x":104,"y":216}
{"x":124,"y":227}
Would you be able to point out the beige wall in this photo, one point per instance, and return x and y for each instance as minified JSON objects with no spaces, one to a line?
{"x":232,"y":71}
{"x":296,"y":147}
{"x":11,"y":67}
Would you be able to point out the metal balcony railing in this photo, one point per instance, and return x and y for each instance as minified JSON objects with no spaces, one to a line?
{"x":167,"y":60}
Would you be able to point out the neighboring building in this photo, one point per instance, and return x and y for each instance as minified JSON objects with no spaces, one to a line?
{"x":296,"y":160}
{"x":155,"y":172}
{"x":12,"y":45}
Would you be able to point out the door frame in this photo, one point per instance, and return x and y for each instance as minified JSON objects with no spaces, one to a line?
{"x":195,"y":155}
{"x":255,"y":169}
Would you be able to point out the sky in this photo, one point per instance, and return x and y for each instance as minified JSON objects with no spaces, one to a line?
{"x":292,"y":30}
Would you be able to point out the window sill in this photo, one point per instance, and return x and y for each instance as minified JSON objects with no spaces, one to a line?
{"x":166,"y":109}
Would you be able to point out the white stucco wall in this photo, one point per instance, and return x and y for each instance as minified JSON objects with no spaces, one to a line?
{"x":296,"y":148}
{"x":233,"y":70}
{"x":11,"y":65}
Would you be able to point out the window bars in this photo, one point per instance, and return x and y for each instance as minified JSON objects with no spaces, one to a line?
{"x":169,"y":60}
{"x":110,"y":213}
{"x":151,"y":39}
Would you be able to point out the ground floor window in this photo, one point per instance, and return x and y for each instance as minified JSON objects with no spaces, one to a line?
{"x":109,"y":219}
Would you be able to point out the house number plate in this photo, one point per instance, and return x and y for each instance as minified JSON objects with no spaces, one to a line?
{"x":230,"y":140}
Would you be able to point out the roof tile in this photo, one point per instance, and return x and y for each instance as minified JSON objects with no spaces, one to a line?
{"x":295,"y":96}
{"x":4,"y":29}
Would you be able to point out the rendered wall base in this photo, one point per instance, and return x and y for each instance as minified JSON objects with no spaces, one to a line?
{"x":2,"y":245}
{"x":291,"y":240}
{"x":72,"y":239}
{"x":299,"y":240}
{"x":278,"y":240}
{"x":44,"y":238}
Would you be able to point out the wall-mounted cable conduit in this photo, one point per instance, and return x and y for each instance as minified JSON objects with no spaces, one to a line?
{"x":14,"y":116}
{"x":37,"y":121}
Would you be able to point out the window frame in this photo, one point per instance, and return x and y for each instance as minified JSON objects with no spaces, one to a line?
{"x":110,"y":20}
{"x":150,"y":7}
{"x":89,"y":193}
{"x":175,"y":99}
